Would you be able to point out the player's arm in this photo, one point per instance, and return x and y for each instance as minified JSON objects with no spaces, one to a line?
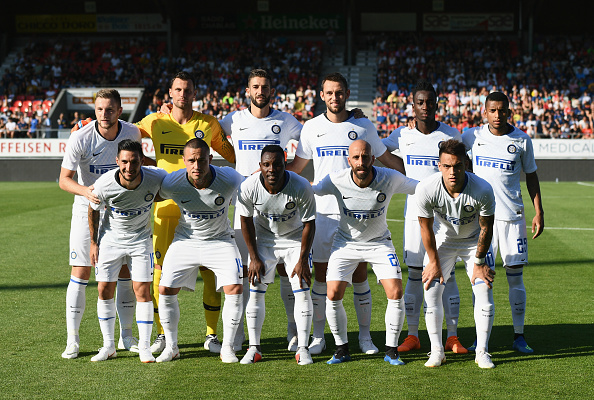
{"x":481,"y":269}
{"x":68,"y":184}
{"x":392,"y":161}
{"x":297,"y":165}
{"x":302,"y":268}
{"x":94,"y":229}
{"x":533,"y":185}
{"x":432,"y":270}
{"x":256,"y":267}
{"x":220,"y":144}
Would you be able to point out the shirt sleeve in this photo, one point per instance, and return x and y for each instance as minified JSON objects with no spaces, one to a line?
{"x":245,"y":205}
{"x":73,"y":154}
{"x":323,"y":187}
{"x":145,"y":126}
{"x":423,"y":202}
{"x":377,"y":147}
{"x":391,"y":142}
{"x":528,"y":162}
{"x":219,"y":142}
{"x":304,"y":147}
{"x":488,"y":203}
{"x":307,"y":206}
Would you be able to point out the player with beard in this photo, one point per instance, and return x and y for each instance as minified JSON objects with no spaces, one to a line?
{"x":326,"y":139}
{"x":363,"y":193}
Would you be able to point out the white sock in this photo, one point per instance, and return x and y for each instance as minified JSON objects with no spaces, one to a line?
{"x":255,"y":312}
{"x":169,"y":316}
{"x":303,"y":316}
{"x":144,"y":320}
{"x":318,"y":298}
{"x":394,"y":319}
{"x":362,"y":301}
{"x":484,"y":314}
{"x":413,"y":298}
{"x":75,"y":306}
{"x":434,"y":315}
{"x":286,"y":292}
{"x":232,"y":317}
{"x":106,"y":312}
{"x":126,"y":305}
{"x":517,"y":297}
{"x":451,"y":305}
{"x":337,"y":320}
{"x":245,"y":299}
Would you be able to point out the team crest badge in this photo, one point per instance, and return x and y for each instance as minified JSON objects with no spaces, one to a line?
{"x":290,"y":205}
{"x":353,"y":135}
{"x":219,"y":200}
{"x":158,"y":255}
{"x":381,"y":197}
{"x":512,"y":149}
{"x":73,"y":255}
{"x":468,"y":208}
{"x":276,"y":129}
{"x":439,"y":144}
{"x":149,"y":197}
{"x":199,"y":134}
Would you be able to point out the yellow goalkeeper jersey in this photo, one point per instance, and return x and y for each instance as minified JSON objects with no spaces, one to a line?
{"x":169,"y":138}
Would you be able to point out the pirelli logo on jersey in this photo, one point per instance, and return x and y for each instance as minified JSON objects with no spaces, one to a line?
{"x":427,"y":161}
{"x":177,"y":149}
{"x":458,"y":221}
{"x":364,"y":214}
{"x":278,"y":217}
{"x":333,"y":151}
{"x":101,"y":169}
{"x":255,"y":144}
{"x":132,"y":212}
{"x":205,"y":214}
{"x":497,"y":163}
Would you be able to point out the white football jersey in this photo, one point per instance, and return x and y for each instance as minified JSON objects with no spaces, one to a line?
{"x":203,"y":211}
{"x":420,"y":153}
{"x":455,"y":218}
{"x":363,"y":210}
{"x":91,"y":155}
{"x":250,"y":134}
{"x":500,"y":160}
{"x":127,"y":217}
{"x":327,"y":143}
{"x":278,"y":217}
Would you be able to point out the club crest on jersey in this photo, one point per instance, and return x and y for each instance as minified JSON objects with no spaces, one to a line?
{"x":276,"y":129}
{"x":353,"y":135}
{"x":468,"y":208}
{"x":381,"y":197}
{"x":199,"y":134}
{"x":158,"y":255}
{"x":290,"y":205}
{"x":439,"y":144}
{"x":149,"y":197}
{"x":512,"y":149}
{"x":219,"y":200}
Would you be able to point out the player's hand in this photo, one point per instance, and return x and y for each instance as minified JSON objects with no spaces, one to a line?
{"x":94,"y":253}
{"x":80,"y":124}
{"x":537,"y":225}
{"x":431,"y":272}
{"x":92,"y":197}
{"x":255,"y":271}
{"x":358,"y":113}
{"x":166,"y":108}
{"x":303,"y":271}
{"x":412,"y":124}
{"x":483,"y":272}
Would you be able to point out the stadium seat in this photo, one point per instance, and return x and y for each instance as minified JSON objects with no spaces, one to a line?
{"x":17,"y":103}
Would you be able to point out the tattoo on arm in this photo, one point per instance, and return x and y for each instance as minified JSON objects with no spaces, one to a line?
{"x":485,"y":235}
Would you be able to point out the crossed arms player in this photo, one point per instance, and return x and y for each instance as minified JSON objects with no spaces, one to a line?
{"x":277,"y":209}
{"x":326,"y":139}
{"x":127,"y":194}
{"x":363,"y":193}
{"x":419,"y":149}
{"x":500,"y":152}
{"x":455,"y":210}
{"x":203,"y":237}
{"x":90,"y":152}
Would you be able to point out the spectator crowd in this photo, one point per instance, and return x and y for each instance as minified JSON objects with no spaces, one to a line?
{"x":550,"y":90}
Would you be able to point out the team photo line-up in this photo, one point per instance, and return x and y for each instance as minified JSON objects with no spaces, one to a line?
{"x":463,"y":203}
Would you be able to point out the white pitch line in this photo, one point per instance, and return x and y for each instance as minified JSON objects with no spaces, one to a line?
{"x":585,"y":184}
{"x":394,"y":220}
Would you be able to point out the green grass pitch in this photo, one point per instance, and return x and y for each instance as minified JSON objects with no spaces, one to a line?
{"x":34,"y":228}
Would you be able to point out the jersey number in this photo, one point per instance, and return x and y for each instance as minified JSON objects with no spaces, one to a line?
{"x":522,"y":245}
{"x":393,"y":260}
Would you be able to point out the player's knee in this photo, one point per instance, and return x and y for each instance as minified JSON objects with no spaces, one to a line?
{"x":335,"y":290}
{"x":233,"y":289}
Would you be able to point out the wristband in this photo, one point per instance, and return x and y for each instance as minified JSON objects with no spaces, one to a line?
{"x":479,"y":261}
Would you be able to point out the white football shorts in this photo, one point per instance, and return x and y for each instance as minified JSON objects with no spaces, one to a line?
{"x":511,"y":238}
{"x":414,"y":251}
{"x":139,"y":258}
{"x":383,"y":259}
{"x":326,"y":227}
{"x":184,"y":257}
{"x":272,"y":256}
